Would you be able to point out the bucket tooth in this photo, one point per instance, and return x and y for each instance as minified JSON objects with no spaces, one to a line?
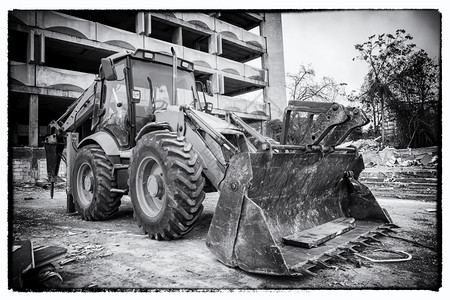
{"x":373,"y":239}
{"x":348,"y":248}
{"x":308,"y":272}
{"x":341,"y":257}
{"x":322,"y":264}
{"x":360,"y":243}
{"x":333,"y":256}
{"x":386,"y":229}
{"x":391,"y":225}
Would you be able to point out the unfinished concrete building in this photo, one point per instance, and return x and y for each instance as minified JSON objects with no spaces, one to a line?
{"x":54,"y":55}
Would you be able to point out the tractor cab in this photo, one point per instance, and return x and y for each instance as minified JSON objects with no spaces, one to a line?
{"x":135,"y":86}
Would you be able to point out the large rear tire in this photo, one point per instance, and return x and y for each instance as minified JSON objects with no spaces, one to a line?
{"x":166,"y":185}
{"x":92,"y":183}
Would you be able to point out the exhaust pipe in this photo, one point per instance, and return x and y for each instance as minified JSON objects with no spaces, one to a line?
{"x":174,"y":76}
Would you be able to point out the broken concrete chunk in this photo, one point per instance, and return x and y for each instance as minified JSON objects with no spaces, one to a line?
{"x":425,"y":159}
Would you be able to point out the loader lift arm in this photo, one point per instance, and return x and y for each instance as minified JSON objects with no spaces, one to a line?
{"x":76,"y":114}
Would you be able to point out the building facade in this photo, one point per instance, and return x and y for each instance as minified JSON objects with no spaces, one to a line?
{"x":54,"y":55}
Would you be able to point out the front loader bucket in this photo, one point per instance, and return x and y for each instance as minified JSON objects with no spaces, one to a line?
{"x":281,"y":213}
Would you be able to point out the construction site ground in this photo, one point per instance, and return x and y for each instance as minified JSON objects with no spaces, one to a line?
{"x":115,"y":254}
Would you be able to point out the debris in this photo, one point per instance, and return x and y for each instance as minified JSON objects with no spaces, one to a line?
{"x":431,"y":209}
{"x":389,"y":179}
{"x":28,"y":198}
{"x":42,"y":184}
{"x":117,"y":232}
{"x":425,"y":159}
{"x":67,"y":260}
{"x":91,"y":286}
{"x":86,"y":251}
{"x":105,"y":254}
{"x":397,"y":157}
{"x":406,"y":162}
{"x":377,"y":139}
{"x":192,"y":272}
{"x":388,"y":156}
{"x":434,"y":159}
{"x":364,"y":145}
{"x":392,"y":161}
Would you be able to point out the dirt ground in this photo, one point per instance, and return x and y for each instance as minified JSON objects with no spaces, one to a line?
{"x":115,"y":254}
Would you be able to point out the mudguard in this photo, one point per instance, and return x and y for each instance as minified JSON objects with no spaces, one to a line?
{"x":105,"y":140}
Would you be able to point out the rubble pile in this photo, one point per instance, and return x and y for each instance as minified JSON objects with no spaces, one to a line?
{"x":364,"y":145}
{"x":391,"y":157}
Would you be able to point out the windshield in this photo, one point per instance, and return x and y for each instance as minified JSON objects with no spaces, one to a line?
{"x":160,"y":77}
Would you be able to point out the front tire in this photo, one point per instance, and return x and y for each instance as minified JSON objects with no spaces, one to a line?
{"x":166,"y":185}
{"x":92,"y":183}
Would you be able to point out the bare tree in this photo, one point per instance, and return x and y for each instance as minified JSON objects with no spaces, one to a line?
{"x":303,"y":86}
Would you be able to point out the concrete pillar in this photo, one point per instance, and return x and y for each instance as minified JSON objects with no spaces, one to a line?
{"x":177,"y":36}
{"x":140,"y":23}
{"x":36,"y":48}
{"x":212,"y":43}
{"x":219,"y":45}
{"x":144,"y":23}
{"x":273,"y":61}
{"x":148,"y":24}
{"x":33,"y":126}
{"x":30,"y":47}
{"x":41,"y":49}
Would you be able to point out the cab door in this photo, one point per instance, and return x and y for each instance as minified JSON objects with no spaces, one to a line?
{"x":114,"y":107}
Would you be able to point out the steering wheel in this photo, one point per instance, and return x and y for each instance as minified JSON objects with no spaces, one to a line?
{"x":163,"y":105}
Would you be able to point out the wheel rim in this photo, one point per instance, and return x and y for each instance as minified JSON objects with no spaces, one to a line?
{"x":150,"y":186}
{"x":85,"y":184}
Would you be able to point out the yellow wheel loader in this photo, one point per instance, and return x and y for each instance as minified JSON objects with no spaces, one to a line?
{"x":144,"y":128}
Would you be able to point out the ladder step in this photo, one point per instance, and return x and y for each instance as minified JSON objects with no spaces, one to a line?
{"x":119,"y":191}
{"x":320,"y":234}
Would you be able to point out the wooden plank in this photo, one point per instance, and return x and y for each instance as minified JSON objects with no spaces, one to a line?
{"x":320,"y":234}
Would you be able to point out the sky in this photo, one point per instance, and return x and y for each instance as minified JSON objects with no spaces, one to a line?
{"x":325,"y":39}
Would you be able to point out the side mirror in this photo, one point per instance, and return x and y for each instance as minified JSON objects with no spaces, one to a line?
{"x":108,"y":69}
{"x":135,"y":96}
{"x":208,"y":107}
{"x":209,"y":87}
